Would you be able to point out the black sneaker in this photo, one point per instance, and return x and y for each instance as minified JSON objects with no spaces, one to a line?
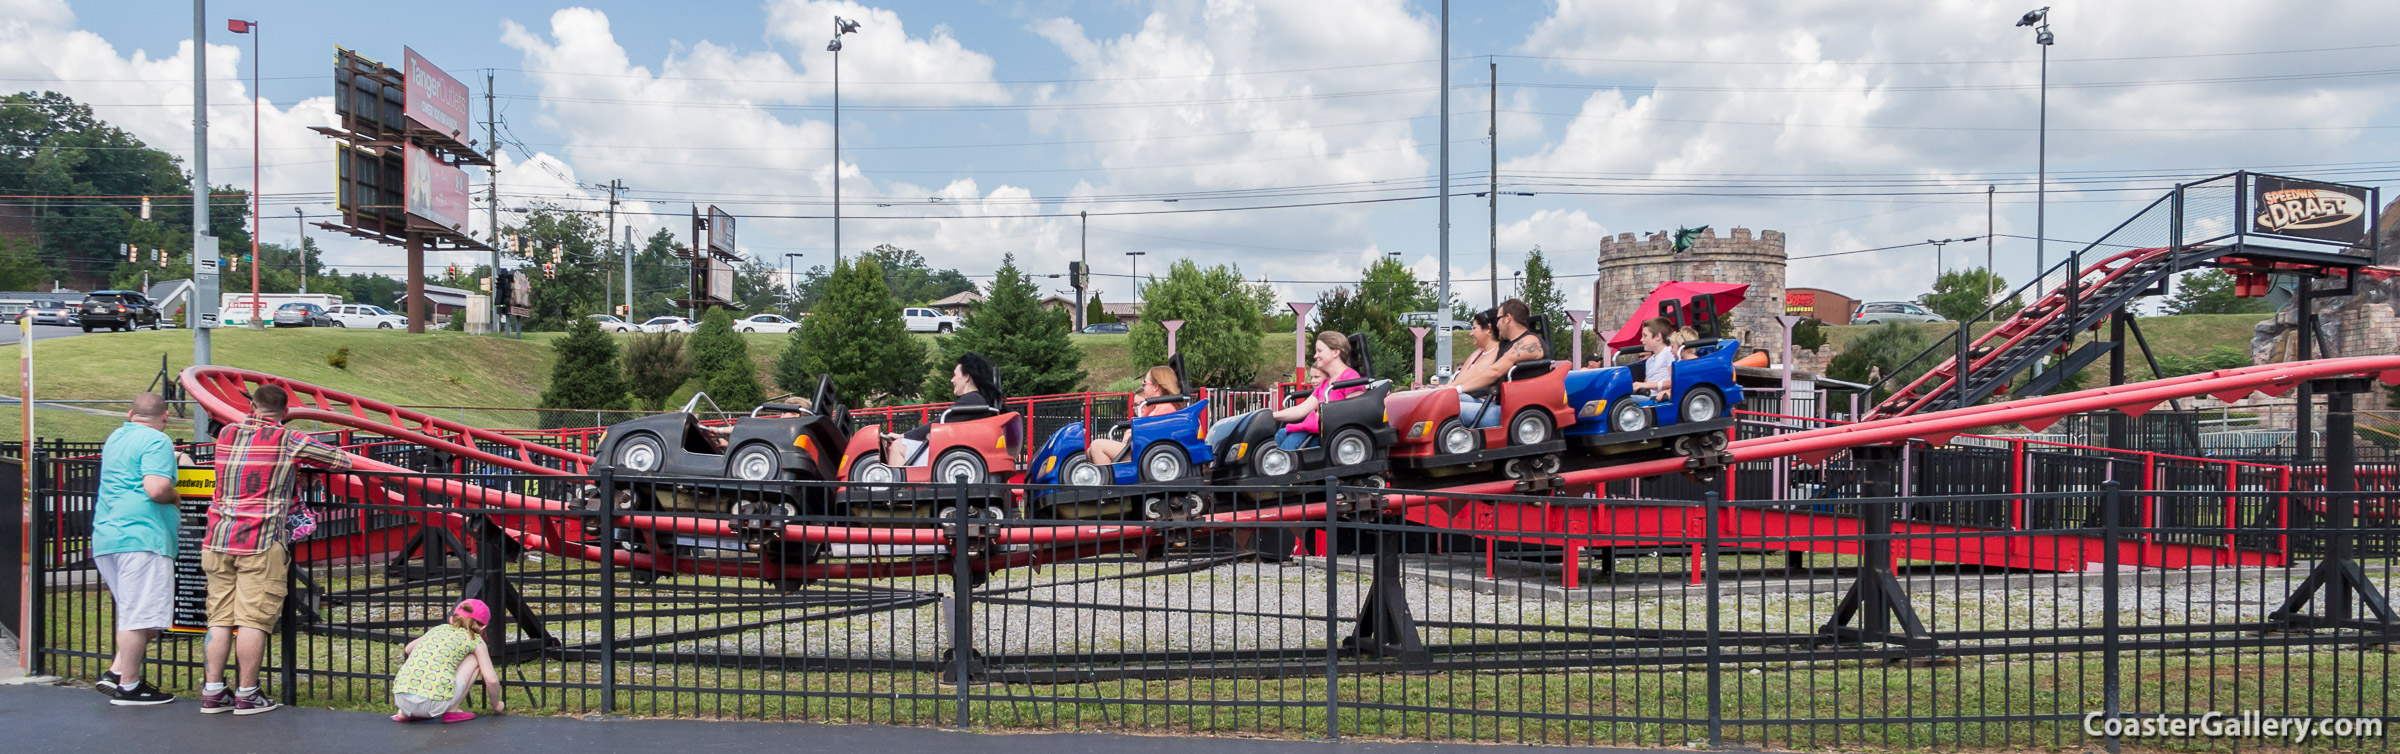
{"x":142,"y":694}
{"x":107,"y":686}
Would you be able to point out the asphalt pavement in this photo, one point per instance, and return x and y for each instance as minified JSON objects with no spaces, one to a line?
{"x":8,"y":332}
{"x":55,"y":718}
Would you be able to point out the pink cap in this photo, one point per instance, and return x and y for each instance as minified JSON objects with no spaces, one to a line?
{"x":474,"y":608}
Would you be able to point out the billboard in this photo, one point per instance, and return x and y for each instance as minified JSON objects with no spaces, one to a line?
{"x":520,"y":294}
{"x":367,"y":96}
{"x":436,"y":102}
{"x":720,"y":230}
{"x":437,"y":191}
{"x":720,"y":279}
{"x":2308,"y":209}
{"x":367,"y":188}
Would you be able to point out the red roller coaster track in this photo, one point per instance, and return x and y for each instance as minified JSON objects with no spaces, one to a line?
{"x":223,"y":393}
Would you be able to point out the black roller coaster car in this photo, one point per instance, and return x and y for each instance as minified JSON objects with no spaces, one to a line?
{"x":693,"y":472}
{"x":1351,"y":445}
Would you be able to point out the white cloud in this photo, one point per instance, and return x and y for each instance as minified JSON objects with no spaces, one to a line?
{"x":1861,"y":89}
{"x":1255,"y":74}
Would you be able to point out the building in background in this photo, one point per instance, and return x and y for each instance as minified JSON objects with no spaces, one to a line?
{"x":1819,"y":304}
{"x":1630,"y":269}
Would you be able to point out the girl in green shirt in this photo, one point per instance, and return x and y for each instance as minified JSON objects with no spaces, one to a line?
{"x":433,"y":680}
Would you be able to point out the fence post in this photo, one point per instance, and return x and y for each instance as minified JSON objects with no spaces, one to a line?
{"x":962,"y":613}
{"x":1716,"y":656}
{"x":287,"y":643}
{"x":2111,"y":499}
{"x":608,"y":588}
{"x":1333,"y":635}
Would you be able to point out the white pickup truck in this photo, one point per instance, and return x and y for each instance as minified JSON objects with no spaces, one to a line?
{"x":924,"y":319}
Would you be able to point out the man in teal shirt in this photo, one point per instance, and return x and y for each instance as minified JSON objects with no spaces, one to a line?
{"x":133,"y":543}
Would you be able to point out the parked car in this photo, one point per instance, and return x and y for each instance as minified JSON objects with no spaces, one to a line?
{"x":669,"y":324}
{"x":921,"y":319}
{"x":1105,"y":328}
{"x":50,"y":313}
{"x":367,"y":316}
{"x":610,"y":323}
{"x":1878,"y":312}
{"x":116,"y":310}
{"x":765,"y":323}
{"x":302,"y":314}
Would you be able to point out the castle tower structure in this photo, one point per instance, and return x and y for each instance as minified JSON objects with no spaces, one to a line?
{"x":1630,"y":269}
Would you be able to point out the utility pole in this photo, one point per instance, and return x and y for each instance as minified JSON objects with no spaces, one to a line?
{"x":1085,"y":244}
{"x":491,"y":196}
{"x":614,"y":186}
{"x":1441,"y":343}
{"x":299,"y":220}
{"x":204,"y":251}
{"x":628,"y":272}
{"x":1493,"y":131}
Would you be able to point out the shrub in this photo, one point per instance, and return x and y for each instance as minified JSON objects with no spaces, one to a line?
{"x":656,"y":365}
{"x":339,"y":359}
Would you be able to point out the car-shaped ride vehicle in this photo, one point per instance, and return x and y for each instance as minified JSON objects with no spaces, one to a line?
{"x":1350,"y":447}
{"x":972,"y":444}
{"x":669,"y":462}
{"x":1703,"y":396}
{"x":1161,"y":449}
{"x":1531,"y":401}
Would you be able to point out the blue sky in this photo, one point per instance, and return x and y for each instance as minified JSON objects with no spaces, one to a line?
{"x":985,"y":126}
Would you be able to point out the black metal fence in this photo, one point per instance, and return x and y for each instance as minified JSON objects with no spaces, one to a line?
{"x":1844,"y":622}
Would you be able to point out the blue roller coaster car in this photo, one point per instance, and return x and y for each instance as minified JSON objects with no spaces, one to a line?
{"x":1703,"y":390}
{"x":1163,"y":448}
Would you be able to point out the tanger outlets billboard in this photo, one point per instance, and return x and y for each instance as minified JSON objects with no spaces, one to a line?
{"x":436,"y":102}
{"x":720,"y":231}
{"x":437,"y":191}
{"x":2308,"y":209}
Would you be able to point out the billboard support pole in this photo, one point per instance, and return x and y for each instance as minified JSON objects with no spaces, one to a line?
{"x":416,"y":283}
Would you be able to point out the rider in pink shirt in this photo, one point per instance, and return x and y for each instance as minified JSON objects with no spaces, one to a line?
{"x":1332,"y":365}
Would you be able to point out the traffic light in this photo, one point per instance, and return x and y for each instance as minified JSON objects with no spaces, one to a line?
{"x":1075,"y":275}
{"x":549,"y":272}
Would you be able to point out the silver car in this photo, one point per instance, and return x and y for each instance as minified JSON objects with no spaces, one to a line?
{"x":1879,"y":312}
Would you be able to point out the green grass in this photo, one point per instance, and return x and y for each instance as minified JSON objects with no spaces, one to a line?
{"x":2189,"y":335}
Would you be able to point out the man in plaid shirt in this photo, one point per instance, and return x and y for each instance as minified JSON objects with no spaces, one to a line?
{"x":246,"y":553}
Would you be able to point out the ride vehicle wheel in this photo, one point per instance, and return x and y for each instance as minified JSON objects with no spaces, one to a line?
{"x":1713,"y":441}
{"x":1164,"y":463}
{"x":1702,"y":403}
{"x":1629,"y":416}
{"x":958,"y":463}
{"x":1081,"y":471}
{"x":1274,"y":461}
{"x":1685,"y":445}
{"x":1514,"y":468}
{"x":1532,"y":426}
{"x":1548,"y":464}
{"x":757,"y":462}
{"x":1350,"y":447}
{"x":870,"y":468}
{"x":641,"y":454}
{"x":1456,"y":439}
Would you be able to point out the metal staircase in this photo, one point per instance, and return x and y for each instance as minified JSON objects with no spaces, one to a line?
{"x":2037,"y":331}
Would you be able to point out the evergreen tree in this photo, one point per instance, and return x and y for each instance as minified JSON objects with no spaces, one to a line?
{"x":855,"y":334}
{"x":1220,"y":339}
{"x":1094,"y":313}
{"x":659,"y":278}
{"x":1540,"y":293}
{"x":585,"y":378}
{"x":721,"y":363}
{"x":1028,"y":343}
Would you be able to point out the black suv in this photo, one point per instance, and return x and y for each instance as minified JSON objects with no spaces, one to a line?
{"x":117,"y":310}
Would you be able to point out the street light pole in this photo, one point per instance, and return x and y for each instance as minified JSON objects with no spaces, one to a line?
{"x":239,"y":26}
{"x":840,"y":27}
{"x":1441,"y":341}
{"x":2040,"y":21}
{"x":791,"y":279}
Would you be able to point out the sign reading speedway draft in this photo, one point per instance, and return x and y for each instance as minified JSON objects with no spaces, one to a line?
{"x":437,"y":191}
{"x":436,"y":101}
{"x":196,"y":485}
{"x":2308,"y":209}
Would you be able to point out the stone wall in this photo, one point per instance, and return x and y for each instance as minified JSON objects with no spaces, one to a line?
{"x":1630,"y":269}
